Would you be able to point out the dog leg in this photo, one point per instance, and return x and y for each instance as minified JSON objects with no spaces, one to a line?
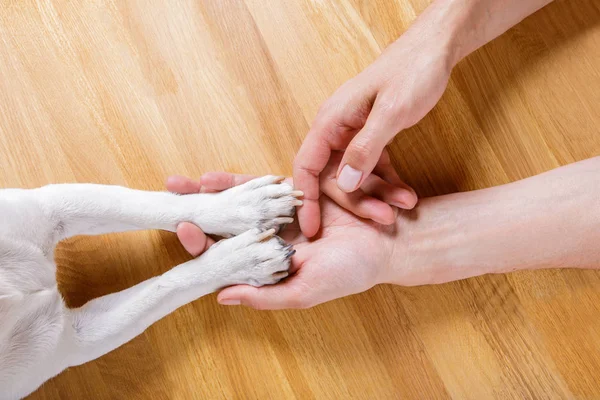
{"x":255,"y":257}
{"x":89,"y":209}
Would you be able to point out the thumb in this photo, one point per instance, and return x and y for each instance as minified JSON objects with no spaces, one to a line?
{"x":193,"y":239}
{"x":364,"y":151}
{"x":272,"y":297}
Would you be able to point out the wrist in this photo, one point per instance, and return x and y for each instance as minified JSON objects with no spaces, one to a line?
{"x":447,"y":25}
{"x":547,"y":221}
{"x":453,"y":237}
{"x":470,"y":24}
{"x":430,"y":248}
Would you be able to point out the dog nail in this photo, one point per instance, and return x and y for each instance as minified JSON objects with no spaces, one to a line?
{"x":266,"y":234}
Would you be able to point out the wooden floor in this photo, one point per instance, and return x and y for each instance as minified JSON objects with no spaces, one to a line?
{"x":128,"y":92}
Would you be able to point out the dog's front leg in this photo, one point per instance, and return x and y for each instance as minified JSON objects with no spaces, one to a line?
{"x":255,"y":257}
{"x":89,"y":209}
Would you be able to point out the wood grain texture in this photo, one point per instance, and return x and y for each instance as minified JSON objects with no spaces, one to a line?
{"x":128,"y":92}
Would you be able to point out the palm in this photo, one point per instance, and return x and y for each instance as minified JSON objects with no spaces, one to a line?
{"x":348,"y":256}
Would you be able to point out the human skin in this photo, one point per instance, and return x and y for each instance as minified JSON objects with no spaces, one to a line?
{"x":392,"y":94}
{"x":551,"y":220}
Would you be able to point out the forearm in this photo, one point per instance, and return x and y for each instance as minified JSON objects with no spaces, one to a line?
{"x":462,"y":26}
{"x":548,"y":221}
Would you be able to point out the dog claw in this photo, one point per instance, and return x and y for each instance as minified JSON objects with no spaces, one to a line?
{"x":297,"y":193}
{"x":290,"y":254}
{"x":283,"y":220}
{"x":298,"y":202}
{"x":280,"y":275}
{"x":266,"y":235}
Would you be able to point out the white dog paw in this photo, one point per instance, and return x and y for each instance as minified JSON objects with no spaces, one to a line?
{"x":264,"y":203}
{"x":256,"y":257}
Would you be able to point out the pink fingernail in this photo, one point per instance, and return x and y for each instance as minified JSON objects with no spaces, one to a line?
{"x":230,"y":302}
{"x":404,"y":205}
{"x":399,"y":205}
{"x":349,"y":179}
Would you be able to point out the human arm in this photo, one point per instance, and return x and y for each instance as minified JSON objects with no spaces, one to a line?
{"x":392,"y":94}
{"x":551,"y":220}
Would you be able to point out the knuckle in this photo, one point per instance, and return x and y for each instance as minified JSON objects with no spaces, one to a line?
{"x":360,"y":151}
{"x":389,"y":107}
{"x":325,"y":108}
{"x":338,"y":101}
{"x":300,"y":167}
{"x":392,"y":111}
{"x":297,"y":163}
{"x":329,"y":111}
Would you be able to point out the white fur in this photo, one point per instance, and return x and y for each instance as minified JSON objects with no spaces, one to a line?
{"x":40,"y":337}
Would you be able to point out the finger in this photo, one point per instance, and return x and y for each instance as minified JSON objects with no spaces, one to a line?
{"x":193,"y":239}
{"x":309,"y":217}
{"x":218,"y":181}
{"x":275,"y":297}
{"x":397,"y":196}
{"x":366,"y":148}
{"x":308,"y":164}
{"x":360,"y":203}
{"x":182,"y":185}
{"x":385,"y":170}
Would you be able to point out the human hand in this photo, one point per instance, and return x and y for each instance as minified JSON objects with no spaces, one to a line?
{"x":364,"y":115}
{"x":349,"y":256}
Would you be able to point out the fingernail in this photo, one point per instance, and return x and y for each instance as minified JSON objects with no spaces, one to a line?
{"x":349,"y":179}
{"x":230,"y":302}
{"x":404,"y":205}
{"x":399,"y":205}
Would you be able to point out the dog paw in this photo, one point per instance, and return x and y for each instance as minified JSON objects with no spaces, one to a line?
{"x":256,"y":257}
{"x":265,"y":202}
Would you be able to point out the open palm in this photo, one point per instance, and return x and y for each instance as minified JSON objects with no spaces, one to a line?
{"x":349,"y":255}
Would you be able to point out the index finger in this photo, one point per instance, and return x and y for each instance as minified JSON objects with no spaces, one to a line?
{"x":182,"y":185}
{"x":210,"y":182}
{"x":308,"y":164}
{"x":219,"y":181}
